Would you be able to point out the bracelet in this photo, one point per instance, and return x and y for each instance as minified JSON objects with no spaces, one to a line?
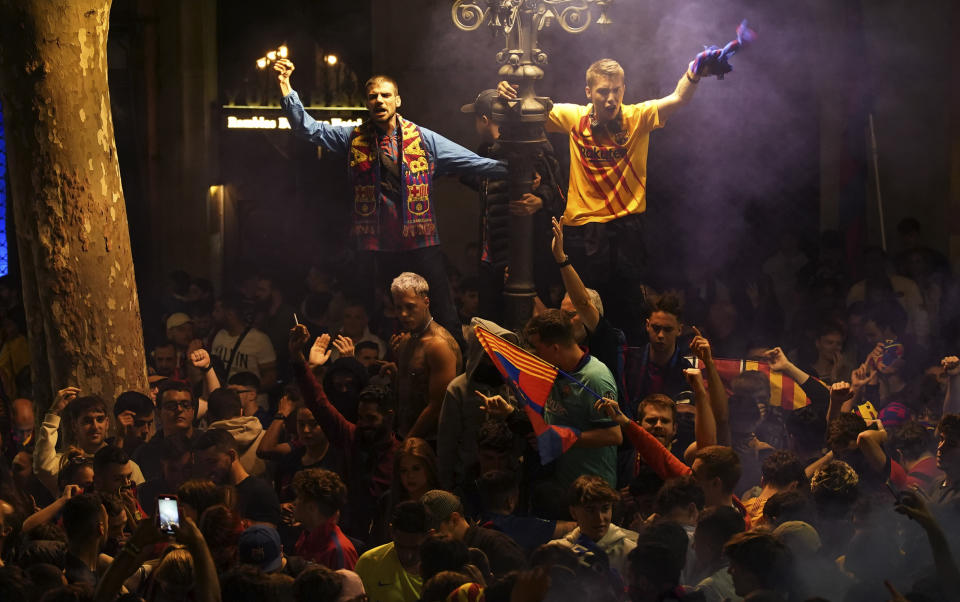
{"x":207,"y":369}
{"x":279,"y":416}
{"x":564,"y":263}
{"x":690,"y":79}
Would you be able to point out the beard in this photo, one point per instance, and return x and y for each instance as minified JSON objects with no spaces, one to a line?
{"x":368,"y":435}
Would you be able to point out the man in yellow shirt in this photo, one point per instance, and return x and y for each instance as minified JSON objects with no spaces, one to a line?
{"x":391,"y":572}
{"x":607,"y":197}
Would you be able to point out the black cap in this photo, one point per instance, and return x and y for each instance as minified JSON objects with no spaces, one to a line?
{"x":483,"y":105}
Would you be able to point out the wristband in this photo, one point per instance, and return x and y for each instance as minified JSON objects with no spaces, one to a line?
{"x":690,"y":79}
{"x":279,"y":416}
{"x":207,"y":369}
{"x":564,"y":263}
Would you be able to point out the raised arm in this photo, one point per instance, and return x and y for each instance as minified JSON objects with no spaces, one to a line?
{"x":270,"y":446}
{"x":571,"y":280}
{"x":201,"y":361}
{"x":951,"y":401}
{"x":912,"y":505}
{"x":651,"y":451}
{"x":718,"y":392}
{"x":334,"y":138}
{"x":681,"y":95}
{"x":338,"y":429}
{"x":442,"y":363}
{"x":45,"y":461}
{"x":705,"y":425}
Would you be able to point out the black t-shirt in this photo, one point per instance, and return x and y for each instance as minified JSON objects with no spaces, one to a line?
{"x":504,"y":554}
{"x":292,"y":463}
{"x":257,"y":501}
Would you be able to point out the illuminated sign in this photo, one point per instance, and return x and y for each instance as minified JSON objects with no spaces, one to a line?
{"x":259,"y":122}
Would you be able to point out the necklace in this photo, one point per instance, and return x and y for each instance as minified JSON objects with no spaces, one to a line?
{"x":422,"y":330}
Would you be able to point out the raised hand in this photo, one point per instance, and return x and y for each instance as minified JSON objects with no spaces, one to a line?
{"x":862,"y":376}
{"x":200,"y":359}
{"x":950,"y":365}
{"x":611,"y":409}
{"x":495,"y":406}
{"x":63,"y":399}
{"x":777,"y":359}
{"x":284,"y":68}
{"x":285,"y":406}
{"x":320,"y":351}
{"x":700,"y":347}
{"x":559,"y":255}
{"x":299,"y":335}
{"x":344,"y":345}
{"x":913,"y":506}
{"x":505,"y":90}
{"x":840,"y":391}
{"x":694,"y":377}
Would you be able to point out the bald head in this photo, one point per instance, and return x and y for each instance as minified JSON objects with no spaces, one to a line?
{"x":21,"y":411}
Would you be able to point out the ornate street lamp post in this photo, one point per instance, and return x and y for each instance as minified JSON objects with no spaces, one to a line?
{"x":521,"y":120}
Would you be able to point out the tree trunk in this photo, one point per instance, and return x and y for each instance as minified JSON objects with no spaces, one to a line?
{"x":79,"y":289}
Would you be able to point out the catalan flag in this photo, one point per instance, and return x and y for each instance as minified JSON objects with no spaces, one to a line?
{"x":531,"y":379}
{"x":784,"y":391}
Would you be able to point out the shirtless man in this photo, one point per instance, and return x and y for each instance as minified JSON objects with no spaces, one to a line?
{"x":428,"y":358}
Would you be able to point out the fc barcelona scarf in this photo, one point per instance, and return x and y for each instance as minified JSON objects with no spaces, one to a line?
{"x":416,"y":175}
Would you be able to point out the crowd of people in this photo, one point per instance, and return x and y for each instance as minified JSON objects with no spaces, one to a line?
{"x":339,"y":444}
{"x":382,"y":461}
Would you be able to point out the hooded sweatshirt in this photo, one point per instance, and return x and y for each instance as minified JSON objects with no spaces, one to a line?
{"x":616,"y":544}
{"x":247,"y":432}
{"x":461,"y":414}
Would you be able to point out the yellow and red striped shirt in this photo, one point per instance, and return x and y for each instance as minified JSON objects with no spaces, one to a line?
{"x":608,"y":173}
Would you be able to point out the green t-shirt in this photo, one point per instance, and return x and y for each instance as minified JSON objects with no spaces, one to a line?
{"x":571,"y":405}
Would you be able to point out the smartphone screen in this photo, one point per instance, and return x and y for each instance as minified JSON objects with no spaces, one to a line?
{"x":168,"y":514}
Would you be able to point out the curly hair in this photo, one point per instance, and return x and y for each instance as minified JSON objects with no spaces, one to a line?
{"x":720,"y":462}
{"x":844,"y":429}
{"x":324,"y":487}
{"x":781,"y":468}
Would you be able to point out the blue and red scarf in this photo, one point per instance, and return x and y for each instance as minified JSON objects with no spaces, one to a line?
{"x":417,"y":167}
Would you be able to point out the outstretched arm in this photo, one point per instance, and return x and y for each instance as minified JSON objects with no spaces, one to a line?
{"x":719,"y":401}
{"x":951,"y":401}
{"x":681,"y":95}
{"x":334,"y":138}
{"x":571,"y":280}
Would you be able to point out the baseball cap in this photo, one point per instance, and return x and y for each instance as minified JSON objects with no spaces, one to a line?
{"x":352,"y":586}
{"x":483,"y":105}
{"x":439,"y":505}
{"x":178,"y":319}
{"x":260,"y":545}
{"x":800,"y":537}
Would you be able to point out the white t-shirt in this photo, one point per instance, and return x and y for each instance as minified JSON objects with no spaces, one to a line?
{"x":255,"y":350}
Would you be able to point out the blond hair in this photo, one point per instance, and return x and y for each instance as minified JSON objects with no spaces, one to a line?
{"x":604,"y":68}
{"x":408,"y":281}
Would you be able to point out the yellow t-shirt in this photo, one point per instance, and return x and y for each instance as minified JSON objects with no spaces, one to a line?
{"x":384,"y":578}
{"x":608,"y":174}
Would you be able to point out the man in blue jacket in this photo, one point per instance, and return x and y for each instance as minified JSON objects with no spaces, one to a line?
{"x":391,"y":163}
